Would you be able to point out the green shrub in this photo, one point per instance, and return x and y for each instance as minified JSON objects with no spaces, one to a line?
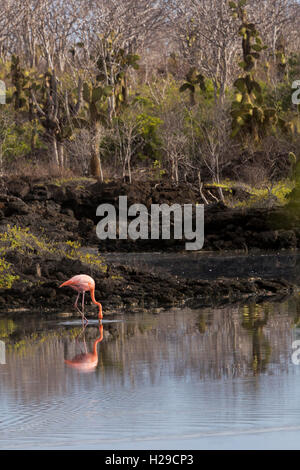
{"x":7,"y":276}
{"x":24,"y":242}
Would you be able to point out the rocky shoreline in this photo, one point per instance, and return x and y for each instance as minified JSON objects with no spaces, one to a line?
{"x":52,"y":218}
{"x":67,"y":211}
{"x":124,"y":289}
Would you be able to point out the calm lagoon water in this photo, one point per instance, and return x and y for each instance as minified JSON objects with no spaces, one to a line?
{"x":183,"y":379}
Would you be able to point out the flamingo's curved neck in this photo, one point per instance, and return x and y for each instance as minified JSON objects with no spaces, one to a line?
{"x":96,"y":303}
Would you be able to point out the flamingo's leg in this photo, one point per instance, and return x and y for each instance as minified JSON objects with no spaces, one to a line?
{"x":81,"y":332}
{"x":84,"y":342}
{"x":76,"y":301}
{"x":76,"y":306}
{"x":83,"y":316}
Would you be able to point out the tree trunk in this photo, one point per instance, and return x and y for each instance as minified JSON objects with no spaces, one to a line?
{"x":55,"y":152}
{"x":176,"y":170}
{"x":192,"y":98}
{"x":172,"y":168}
{"x":129,"y":168}
{"x":216,"y":180}
{"x":1,"y":161}
{"x":124,"y":170}
{"x":31,"y":117}
{"x":95,"y":163}
{"x":61,"y":156}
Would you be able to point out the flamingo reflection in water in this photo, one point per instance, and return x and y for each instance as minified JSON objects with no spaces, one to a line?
{"x":87,"y":362}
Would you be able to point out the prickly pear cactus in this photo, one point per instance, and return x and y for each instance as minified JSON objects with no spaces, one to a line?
{"x":107,"y":95}
{"x":113,"y":65}
{"x":249,"y":114}
{"x":20,"y":80}
{"x":56,"y":111}
{"x":96,"y":100}
{"x":193,"y":78}
{"x":281,"y":62}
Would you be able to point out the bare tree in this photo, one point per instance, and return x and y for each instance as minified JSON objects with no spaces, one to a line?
{"x":56,"y":29}
{"x":11,"y":16}
{"x":174,"y":141}
{"x":274,"y":18}
{"x":128,"y":142}
{"x":214,"y":144}
{"x":207,"y":39}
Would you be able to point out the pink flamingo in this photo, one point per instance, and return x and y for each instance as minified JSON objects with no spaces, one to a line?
{"x":82,"y":283}
{"x":86,"y":362}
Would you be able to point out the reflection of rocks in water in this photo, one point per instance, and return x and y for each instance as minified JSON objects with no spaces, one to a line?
{"x":189,"y":345}
{"x":207,"y":344}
